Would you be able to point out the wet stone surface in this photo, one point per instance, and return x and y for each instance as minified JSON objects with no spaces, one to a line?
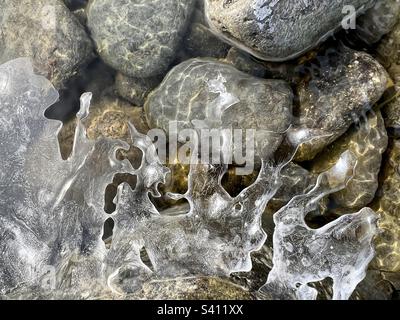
{"x":367,"y":141}
{"x":92,"y":213}
{"x":135,"y":90}
{"x":336,"y":90}
{"x":208,"y":91}
{"x":277,"y":30}
{"x":47,"y":32}
{"x":139,"y":38}
{"x":387,"y":206}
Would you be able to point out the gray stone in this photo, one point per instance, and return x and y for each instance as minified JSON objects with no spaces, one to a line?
{"x":391,"y":108}
{"x":201,"y":42}
{"x":277,"y":30}
{"x":378,"y":21}
{"x":139,"y":38}
{"x":245,"y":63}
{"x":135,"y":90}
{"x":243,"y":102}
{"x":338,"y":87}
{"x":47,"y":32}
{"x":389,"y":48}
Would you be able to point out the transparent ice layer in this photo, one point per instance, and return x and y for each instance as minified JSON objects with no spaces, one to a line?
{"x":52,"y":214}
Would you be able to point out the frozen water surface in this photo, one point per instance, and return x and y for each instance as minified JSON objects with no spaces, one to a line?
{"x":52,"y":213}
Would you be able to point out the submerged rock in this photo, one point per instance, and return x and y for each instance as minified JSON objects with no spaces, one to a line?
{"x":378,"y":21}
{"x":337,"y":88}
{"x":245,"y":63}
{"x":135,"y":90}
{"x":201,"y":42}
{"x":277,"y":30}
{"x":47,"y":32}
{"x":389,"y":55}
{"x":138,"y":38}
{"x":108,"y":118}
{"x":387,"y":205}
{"x":366,"y":141}
{"x":388,"y":50}
{"x":391,"y":107}
{"x":208,"y":91}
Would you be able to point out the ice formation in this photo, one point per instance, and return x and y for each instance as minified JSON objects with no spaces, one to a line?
{"x":340,"y":250}
{"x":52,"y":214}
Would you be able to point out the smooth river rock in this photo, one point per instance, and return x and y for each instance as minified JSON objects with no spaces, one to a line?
{"x":338,"y":87}
{"x":48,"y":33}
{"x":139,"y":38}
{"x":206,"y":90}
{"x":278,"y":30}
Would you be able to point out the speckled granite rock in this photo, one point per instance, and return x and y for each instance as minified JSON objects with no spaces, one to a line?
{"x":135,"y":90}
{"x":367,"y":142}
{"x":277,"y":30}
{"x":138,"y":37}
{"x":337,"y":88}
{"x":46,"y":31}
{"x":378,"y":21}
{"x":242,"y":101}
{"x":387,"y":205}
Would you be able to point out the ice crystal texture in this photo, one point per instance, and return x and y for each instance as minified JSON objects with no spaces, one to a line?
{"x":52,"y":214}
{"x":341,"y":250}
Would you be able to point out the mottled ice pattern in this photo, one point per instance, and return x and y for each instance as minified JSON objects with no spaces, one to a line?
{"x":52,"y":214}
